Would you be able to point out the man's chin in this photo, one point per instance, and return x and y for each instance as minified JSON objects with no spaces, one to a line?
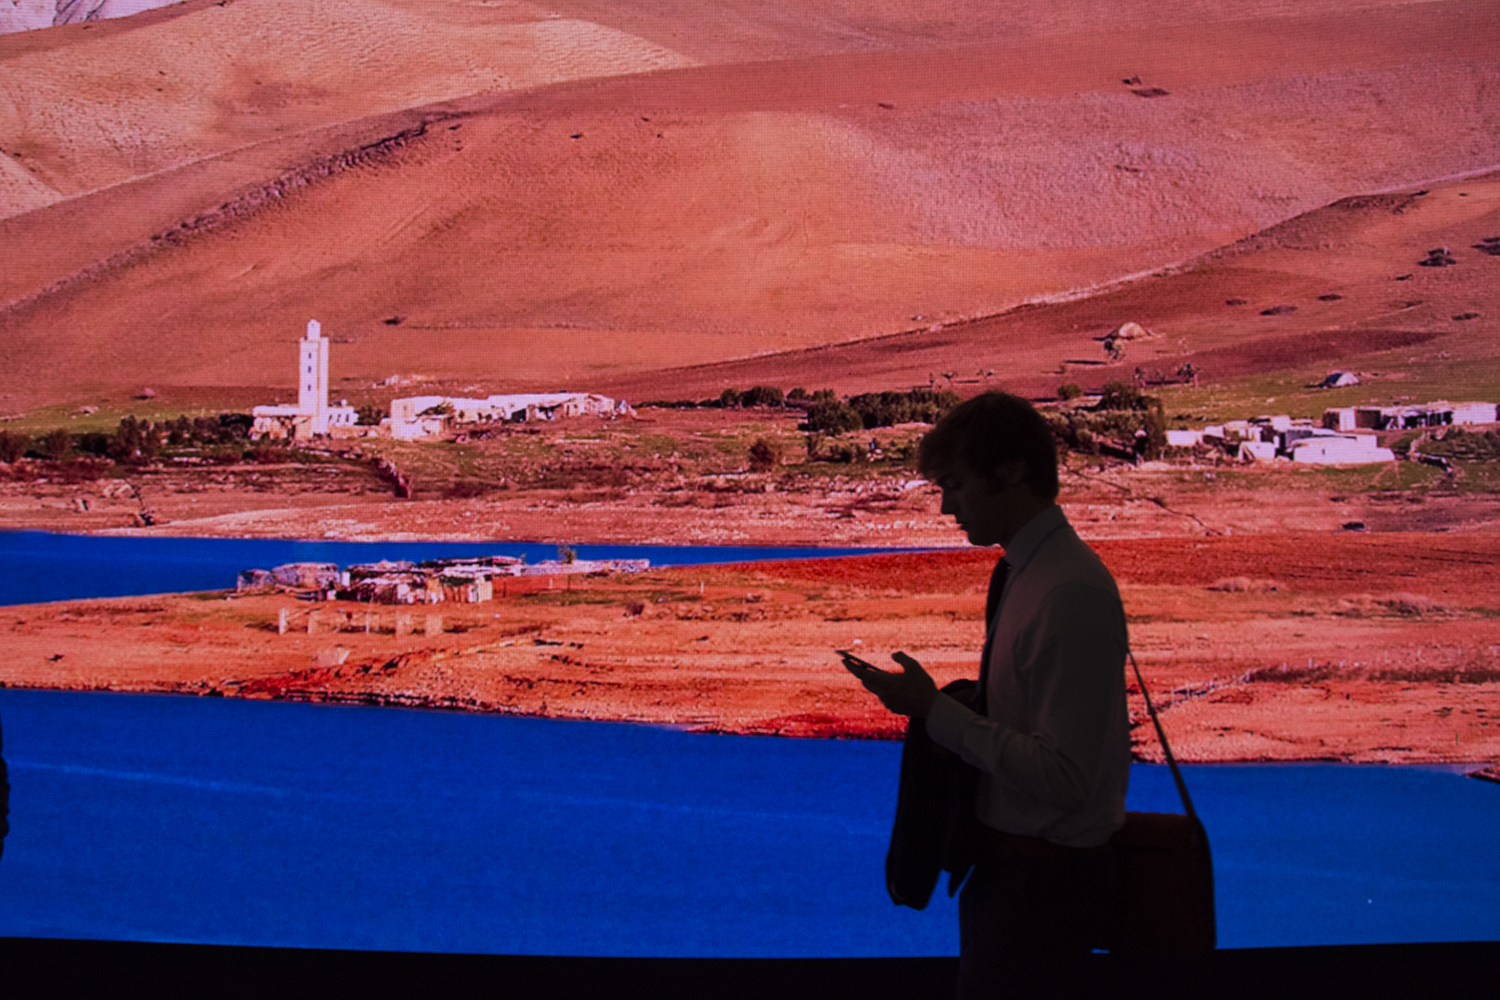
{"x":975,"y":538}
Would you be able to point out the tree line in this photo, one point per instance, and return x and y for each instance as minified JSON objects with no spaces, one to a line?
{"x":134,"y":441}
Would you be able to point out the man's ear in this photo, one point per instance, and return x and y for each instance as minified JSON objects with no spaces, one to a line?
{"x":1008,"y":474}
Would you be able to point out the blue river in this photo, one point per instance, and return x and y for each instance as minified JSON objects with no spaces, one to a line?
{"x":162,"y":818}
{"x":38,"y":566}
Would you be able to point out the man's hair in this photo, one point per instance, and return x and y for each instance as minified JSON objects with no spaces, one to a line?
{"x":987,"y":431}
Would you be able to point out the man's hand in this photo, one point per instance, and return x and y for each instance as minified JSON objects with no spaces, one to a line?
{"x":910,"y":692}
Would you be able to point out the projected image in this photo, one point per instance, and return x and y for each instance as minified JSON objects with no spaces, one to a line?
{"x":568,"y":361}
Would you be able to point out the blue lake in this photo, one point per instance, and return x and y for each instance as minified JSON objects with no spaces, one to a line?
{"x":208,"y":820}
{"x":39,"y":566}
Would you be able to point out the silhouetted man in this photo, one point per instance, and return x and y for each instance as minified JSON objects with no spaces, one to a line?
{"x":1050,"y":733}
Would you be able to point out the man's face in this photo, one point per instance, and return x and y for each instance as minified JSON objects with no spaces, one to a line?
{"x":979,"y":503}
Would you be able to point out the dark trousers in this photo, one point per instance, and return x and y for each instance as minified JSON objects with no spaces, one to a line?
{"x":1028,"y":917}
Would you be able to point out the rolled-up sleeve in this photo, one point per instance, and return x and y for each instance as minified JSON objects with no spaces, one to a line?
{"x":1071,"y":654}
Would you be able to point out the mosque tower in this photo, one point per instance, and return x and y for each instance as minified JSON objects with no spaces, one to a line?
{"x":312,"y":390}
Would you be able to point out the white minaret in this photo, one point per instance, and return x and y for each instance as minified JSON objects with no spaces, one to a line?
{"x":312,"y":378}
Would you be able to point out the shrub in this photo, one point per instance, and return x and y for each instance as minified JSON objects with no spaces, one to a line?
{"x":764,"y":455}
{"x":1153,"y":441}
{"x":12,"y":447}
{"x":235,"y":426}
{"x":1124,"y":396}
{"x":1069,"y":390}
{"x":226,"y":428}
{"x":206,"y":431}
{"x":57,"y":445}
{"x":467,"y":489}
{"x":731,"y":398}
{"x":843,"y":451}
{"x":877,"y":409}
{"x":370,"y":415}
{"x":135,"y":442}
{"x":92,"y":443}
{"x":885,"y":409}
{"x":762,"y":395}
{"x":179,"y":431}
{"x":1122,"y":433}
{"x":833,"y":417}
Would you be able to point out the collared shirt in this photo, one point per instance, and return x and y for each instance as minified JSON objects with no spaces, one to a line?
{"x":1054,"y":748}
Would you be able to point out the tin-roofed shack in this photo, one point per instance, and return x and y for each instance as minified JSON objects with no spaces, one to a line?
{"x":291,"y":576}
{"x":1439,"y":413}
{"x":434,"y":581}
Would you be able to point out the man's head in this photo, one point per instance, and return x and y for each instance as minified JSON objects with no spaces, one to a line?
{"x":996,"y":462}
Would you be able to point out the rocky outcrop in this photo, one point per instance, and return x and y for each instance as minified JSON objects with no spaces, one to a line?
{"x":28,"y":15}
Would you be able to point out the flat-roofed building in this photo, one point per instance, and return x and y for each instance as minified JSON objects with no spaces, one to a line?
{"x":416,"y":417}
{"x":1341,"y":418}
{"x":1474,"y":413}
{"x":1340,"y":449}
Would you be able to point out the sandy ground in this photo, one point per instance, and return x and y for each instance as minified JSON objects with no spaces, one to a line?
{"x":886,"y":512}
{"x":1335,"y":647}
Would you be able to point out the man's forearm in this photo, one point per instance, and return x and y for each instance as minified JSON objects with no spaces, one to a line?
{"x":1025,"y":762}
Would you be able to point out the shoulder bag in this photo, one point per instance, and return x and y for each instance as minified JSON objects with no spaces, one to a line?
{"x":1166,"y":873}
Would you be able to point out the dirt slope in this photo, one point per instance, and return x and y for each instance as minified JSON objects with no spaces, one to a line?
{"x":103,"y":107}
{"x":885,"y":175}
{"x":1351,"y":274}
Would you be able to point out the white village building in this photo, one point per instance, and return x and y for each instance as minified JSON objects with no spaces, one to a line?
{"x":1268,"y":438}
{"x":1439,"y":413}
{"x":414,"y":417}
{"x":312,"y":416}
{"x":1345,"y":438}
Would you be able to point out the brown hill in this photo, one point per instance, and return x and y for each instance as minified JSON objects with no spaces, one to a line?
{"x":1343,"y":286}
{"x":97,"y":104}
{"x":889,"y":170}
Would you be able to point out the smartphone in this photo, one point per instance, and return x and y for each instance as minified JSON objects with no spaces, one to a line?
{"x":851,"y":658}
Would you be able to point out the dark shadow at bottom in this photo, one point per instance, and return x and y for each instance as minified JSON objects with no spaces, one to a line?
{"x":54,"y":967}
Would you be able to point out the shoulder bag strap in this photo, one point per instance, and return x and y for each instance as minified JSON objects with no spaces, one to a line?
{"x":1161,"y":734}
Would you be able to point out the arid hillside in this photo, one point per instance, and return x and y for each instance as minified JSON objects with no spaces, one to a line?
{"x":583,"y":193}
{"x":96,"y":104}
{"x":1352,"y":285}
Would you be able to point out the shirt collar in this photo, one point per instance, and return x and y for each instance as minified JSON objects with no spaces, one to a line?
{"x":1033,"y":533}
